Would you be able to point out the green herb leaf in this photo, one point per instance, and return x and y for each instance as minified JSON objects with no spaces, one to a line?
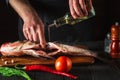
{"x":6,"y":71}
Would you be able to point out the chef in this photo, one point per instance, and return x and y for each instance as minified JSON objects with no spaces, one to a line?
{"x":36,"y":15}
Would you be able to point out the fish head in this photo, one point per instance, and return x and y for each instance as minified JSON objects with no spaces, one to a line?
{"x":8,"y":48}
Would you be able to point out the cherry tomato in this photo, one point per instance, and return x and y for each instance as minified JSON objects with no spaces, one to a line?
{"x":63,"y":64}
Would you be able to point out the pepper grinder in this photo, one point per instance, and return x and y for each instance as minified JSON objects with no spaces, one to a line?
{"x":115,"y":38}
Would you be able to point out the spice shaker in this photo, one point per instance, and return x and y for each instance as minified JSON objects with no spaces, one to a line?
{"x":115,"y":38}
{"x":107,"y":43}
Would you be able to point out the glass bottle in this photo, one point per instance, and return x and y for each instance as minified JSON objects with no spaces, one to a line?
{"x":68,"y":19}
{"x":107,"y":43}
{"x":115,"y":37}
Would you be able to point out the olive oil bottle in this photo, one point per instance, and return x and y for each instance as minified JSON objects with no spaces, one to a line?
{"x":68,"y":19}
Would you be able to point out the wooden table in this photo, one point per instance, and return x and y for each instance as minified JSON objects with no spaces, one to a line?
{"x":97,"y":71}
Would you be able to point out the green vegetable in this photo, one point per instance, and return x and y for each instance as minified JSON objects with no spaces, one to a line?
{"x":6,"y":71}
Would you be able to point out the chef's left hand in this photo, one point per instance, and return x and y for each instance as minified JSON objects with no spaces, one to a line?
{"x":80,"y":8}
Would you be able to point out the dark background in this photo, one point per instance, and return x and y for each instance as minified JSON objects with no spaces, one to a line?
{"x":8,"y":23}
{"x":107,"y":13}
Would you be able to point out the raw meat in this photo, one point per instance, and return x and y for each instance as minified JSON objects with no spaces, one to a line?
{"x":20,"y":48}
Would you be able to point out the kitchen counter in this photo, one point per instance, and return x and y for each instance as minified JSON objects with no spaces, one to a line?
{"x":99,"y":70}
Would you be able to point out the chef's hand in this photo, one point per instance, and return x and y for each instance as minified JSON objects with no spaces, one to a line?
{"x":33,"y":29}
{"x":80,"y":8}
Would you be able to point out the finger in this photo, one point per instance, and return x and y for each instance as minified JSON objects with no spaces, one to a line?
{"x":41,"y":37}
{"x":25,"y":33}
{"x":89,"y":5}
{"x":83,"y":7}
{"x":34,"y":35}
{"x":29,"y":34}
{"x":77,"y":8}
{"x":72,"y":11}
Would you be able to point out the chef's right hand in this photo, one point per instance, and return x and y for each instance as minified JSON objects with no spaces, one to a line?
{"x":33,"y":29}
{"x":80,"y":8}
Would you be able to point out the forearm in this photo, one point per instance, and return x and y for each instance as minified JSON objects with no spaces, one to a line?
{"x":23,"y":8}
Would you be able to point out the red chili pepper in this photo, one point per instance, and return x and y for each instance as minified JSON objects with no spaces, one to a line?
{"x":47,"y":69}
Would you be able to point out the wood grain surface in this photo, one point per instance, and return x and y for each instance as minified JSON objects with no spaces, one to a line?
{"x":28,"y":60}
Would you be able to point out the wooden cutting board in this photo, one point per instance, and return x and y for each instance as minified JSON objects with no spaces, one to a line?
{"x":11,"y":61}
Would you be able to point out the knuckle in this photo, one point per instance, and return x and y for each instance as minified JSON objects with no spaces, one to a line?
{"x":75,"y":2}
{"x":78,"y":13}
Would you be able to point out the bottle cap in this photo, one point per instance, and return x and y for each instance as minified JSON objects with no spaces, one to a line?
{"x":116,"y":24}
